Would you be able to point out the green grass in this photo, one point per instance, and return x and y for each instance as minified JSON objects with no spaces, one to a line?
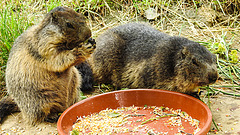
{"x":12,"y":24}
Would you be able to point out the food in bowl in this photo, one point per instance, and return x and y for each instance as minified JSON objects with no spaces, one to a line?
{"x":137,"y":120}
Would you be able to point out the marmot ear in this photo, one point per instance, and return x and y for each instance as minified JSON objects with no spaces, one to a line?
{"x":184,"y":52}
{"x":54,"y":17}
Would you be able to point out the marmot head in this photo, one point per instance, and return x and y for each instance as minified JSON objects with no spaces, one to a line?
{"x":196,"y":65}
{"x":71,"y":25}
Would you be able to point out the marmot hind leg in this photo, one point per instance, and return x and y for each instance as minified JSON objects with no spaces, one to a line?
{"x":43,"y":106}
{"x":41,"y":114}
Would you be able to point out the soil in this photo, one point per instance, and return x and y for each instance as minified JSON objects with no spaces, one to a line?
{"x":225,"y":110}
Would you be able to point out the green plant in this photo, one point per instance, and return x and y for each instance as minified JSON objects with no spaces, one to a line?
{"x":12,"y":24}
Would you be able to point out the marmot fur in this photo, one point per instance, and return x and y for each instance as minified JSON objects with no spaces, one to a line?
{"x":136,"y":55}
{"x":40,"y":76}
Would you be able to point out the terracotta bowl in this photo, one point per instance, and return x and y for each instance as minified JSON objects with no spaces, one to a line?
{"x":137,"y":97}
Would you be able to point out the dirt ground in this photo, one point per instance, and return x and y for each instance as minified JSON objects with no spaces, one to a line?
{"x":225,"y":110}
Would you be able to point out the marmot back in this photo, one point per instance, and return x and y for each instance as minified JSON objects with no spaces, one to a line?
{"x":40,"y":75}
{"x":135,"y":55}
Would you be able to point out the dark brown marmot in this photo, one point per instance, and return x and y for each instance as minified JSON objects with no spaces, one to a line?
{"x":40,"y":77}
{"x":135,"y":55}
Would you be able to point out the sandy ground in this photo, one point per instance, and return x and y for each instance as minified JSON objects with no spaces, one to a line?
{"x":225,"y":110}
{"x":14,"y":125}
{"x":226,"y":114}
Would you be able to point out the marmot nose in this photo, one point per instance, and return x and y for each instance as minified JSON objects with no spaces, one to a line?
{"x":212,"y":77}
{"x":88,"y":34}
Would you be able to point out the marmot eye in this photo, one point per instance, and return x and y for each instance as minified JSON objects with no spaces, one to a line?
{"x":195,"y":62}
{"x":69,"y":25}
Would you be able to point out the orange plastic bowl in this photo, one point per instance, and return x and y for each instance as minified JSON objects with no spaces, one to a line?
{"x":137,"y":97}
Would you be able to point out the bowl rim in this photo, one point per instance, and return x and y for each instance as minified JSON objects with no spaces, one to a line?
{"x":206,"y":126}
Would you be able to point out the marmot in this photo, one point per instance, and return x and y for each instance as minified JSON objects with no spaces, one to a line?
{"x":136,"y":55}
{"x":40,"y":76}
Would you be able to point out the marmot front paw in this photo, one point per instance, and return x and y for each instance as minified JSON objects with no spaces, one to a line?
{"x":85,"y":49}
{"x":90,"y":45}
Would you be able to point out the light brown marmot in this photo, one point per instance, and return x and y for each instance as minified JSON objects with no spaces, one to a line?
{"x":136,"y":55}
{"x":40,"y":77}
